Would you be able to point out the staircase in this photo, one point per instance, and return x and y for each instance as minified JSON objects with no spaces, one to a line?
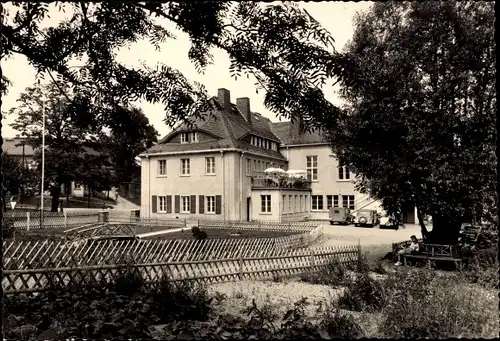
{"x":362,"y":202}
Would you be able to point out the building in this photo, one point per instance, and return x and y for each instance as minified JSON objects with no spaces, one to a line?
{"x":213,"y":170}
{"x":18,"y":148}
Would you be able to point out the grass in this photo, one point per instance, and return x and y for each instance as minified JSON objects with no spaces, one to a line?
{"x":224,"y":233}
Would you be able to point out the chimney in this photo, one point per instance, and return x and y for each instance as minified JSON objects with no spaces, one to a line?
{"x":224,"y":97}
{"x":243,"y":105}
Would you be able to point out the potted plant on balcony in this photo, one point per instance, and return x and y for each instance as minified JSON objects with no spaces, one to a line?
{"x":299,"y":183}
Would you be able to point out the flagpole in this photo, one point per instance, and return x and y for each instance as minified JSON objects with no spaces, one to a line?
{"x":43,"y":165}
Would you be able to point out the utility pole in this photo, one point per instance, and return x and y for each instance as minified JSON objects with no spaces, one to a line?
{"x":43,"y":166}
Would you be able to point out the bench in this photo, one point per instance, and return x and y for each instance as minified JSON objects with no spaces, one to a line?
{"x":432,"y":253}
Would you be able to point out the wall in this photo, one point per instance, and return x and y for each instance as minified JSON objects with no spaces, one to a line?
{"x":328,"y":182}
{"x":294,"y":205}
{"x":197,"y":183}
{"x":256,"y":213}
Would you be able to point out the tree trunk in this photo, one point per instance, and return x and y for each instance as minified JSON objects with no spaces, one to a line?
{"x":423,"y":228}
{"x":55,"y":192}
{"x":88,"y":198}
{"x":445,"y":230}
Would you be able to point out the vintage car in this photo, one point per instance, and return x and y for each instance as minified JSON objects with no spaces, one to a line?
{"x":386,"y":223}
{"x":366,"y":218}
{"x":340,"y":215}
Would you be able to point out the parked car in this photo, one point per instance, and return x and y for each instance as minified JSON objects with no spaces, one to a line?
{"x":385,"y":222}
{"x":366,"y":218}
{"x":340,"y":215}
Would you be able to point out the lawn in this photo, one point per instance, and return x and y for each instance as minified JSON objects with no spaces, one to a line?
{"x":223,"y":234}
{"x":74,"y":202}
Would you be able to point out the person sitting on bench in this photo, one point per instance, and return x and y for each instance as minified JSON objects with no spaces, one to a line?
{"x":413,"y":248}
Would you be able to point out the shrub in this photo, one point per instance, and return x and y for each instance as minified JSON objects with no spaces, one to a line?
{"x":180,"y":300}
{"x":198,"y":234}
{"x":128,"y":282}
{"x":340,"y":325}
{"x":435,"y":307}
{"x":363,"y":294}
{"x":334,"y":274}
{"x":8,"y":229}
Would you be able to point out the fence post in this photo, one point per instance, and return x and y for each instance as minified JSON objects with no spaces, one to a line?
{"x":240,"y":275}
{"x":312,"y":261}
{"x":359,"y":251}
{"x":27,"y":221}
{"x":65,"y":219}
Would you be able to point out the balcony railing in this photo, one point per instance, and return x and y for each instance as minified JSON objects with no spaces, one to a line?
{"x":283,"y":183}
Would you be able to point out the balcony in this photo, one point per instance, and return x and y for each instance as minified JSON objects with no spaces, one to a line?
{"x":259,"y":182}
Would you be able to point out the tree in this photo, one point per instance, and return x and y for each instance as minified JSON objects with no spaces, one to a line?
{"x":131,"y":134}
{"x":69,"y":128}
{"x":18,"y":179}
{"x":419,"y":129}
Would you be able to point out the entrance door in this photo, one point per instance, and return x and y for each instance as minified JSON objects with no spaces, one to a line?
{"x":248,"y":209}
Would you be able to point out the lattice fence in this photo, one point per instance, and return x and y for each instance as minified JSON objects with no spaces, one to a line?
{"x":256,"y":225}
{"x":280,"y":263}
{"x":40,"y":253}
{"x":26,"y":220}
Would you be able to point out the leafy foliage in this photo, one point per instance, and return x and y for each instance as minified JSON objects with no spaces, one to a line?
{"x":419,"y":129}
{"x":285,"y":49}
{"x":18,"y":179}
{"x":198,"y":234}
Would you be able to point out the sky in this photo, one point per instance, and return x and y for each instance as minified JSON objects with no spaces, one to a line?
{"x":336,"y":17}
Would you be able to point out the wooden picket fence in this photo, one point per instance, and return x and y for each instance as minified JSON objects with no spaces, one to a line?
{"x":279,"y":263}
{"x":40,"y":253}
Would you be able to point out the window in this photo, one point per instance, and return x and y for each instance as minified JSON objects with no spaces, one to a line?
{"x":332,"y":201}
{"x":162,"y":167}
{"x":78,"y":186}
{"x":348,"y":201}
{"x":317,"y":202}
{"x":184,"y":137}
{"x":344,"y":173}
{"x":312,"y":168}
{"x":255,"y":165}
{"x":297,"y":204}
{"x":210,"y":204}
{"x":283,"y":206}
{"x":259,"y":166}
{"x":290,"y":204}
{"x":210,"y":165}
{"x":249,"y":166}
{"x":186,"y":204}
{"x":267,"y":165}
{"x":265,"y":201}
{"x":162,"y":204}
{"x":185,"y":167}
{"x":194,"y":137}
{"x":302,"y":203}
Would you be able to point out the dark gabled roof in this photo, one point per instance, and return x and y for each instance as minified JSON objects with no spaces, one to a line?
{"x":14,"y":146}
{"x":227,"y":130}
{"x":288,"y":134}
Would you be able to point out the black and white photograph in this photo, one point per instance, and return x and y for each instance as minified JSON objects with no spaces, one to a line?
{"x":250,"y":170}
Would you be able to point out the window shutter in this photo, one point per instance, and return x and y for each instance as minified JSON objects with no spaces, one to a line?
{"x":154,"y":204}
{"x":177,"y":204}
{"x":193,"y":204}
{"x":202,"y":204}
{"x":169,"y":204}
{"x":218,"y":204}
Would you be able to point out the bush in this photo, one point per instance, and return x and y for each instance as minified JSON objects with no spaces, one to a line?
{"x":334,"y":274}
{"x":363,"y":294}
{"x":180,"y":301}
{"x":8,"y":229}
{"x":198,"y":234}
{"x":422,"y":304}
{"x":340,"y":325}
